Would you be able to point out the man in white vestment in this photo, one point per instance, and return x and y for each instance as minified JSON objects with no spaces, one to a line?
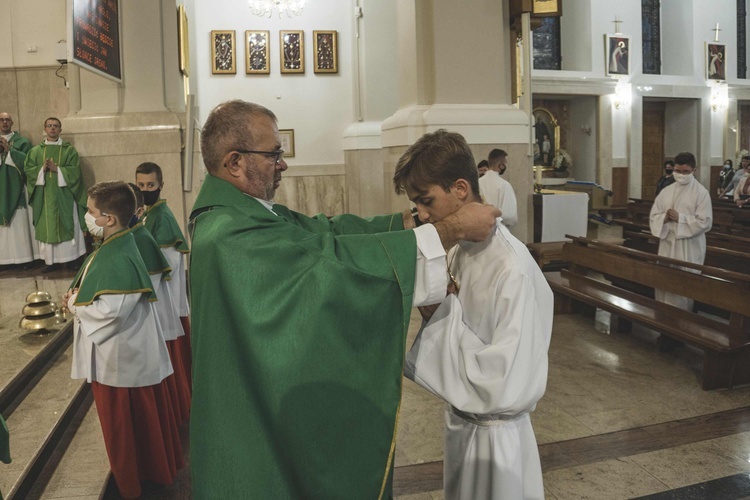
{"x":680,"y":217}
{"x":17,"y":243}
{"x":497,"y":191}
{"x":484,"y":348}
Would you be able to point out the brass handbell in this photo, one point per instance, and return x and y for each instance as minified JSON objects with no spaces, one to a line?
{"x":40,"y":312}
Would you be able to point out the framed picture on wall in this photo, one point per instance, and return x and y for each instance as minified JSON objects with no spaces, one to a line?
{"x":223,"y":53}
{"x":292,"y":45}
{"x":257,"y":52}
{"x":716,"y":61}
{"x":541,"y":8}
{"x":324,"y":51}
{"x":287,"y":142}
{"x":184,"y":37}
{"x":617,"y":53}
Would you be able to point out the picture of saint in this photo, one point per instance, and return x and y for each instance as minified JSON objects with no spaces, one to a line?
{"x":619,"y":55}
{"x":545,"y":128}
{"x":716,"y":55}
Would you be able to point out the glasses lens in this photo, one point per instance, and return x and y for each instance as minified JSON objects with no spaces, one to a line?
{"x":279,"y":155}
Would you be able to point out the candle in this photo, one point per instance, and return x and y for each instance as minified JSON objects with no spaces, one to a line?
{"x":538,"y":172}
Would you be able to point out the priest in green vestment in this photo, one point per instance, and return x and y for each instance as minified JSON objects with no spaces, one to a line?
{"x":299,"y":325}
{"x":57,"y":196}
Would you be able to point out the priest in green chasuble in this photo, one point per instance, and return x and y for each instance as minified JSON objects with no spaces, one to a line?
{"x":17,"y":244}
{"x":57,"y":196}
{"x":299,"y":325}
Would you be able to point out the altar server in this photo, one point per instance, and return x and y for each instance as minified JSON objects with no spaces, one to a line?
{"x":484,"y":348}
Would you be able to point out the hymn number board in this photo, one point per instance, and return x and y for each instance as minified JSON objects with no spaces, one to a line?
{"x":94,"y":37}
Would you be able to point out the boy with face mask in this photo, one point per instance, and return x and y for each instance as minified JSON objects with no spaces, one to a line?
{"x":161,"y":223}
{"x":118,"y":347}
{"x":680,"y":217}
{"x":667,"y":178}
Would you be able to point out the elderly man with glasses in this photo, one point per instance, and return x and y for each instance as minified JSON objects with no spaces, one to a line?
{"x":299,"y":324}
{"x":17,"y":244}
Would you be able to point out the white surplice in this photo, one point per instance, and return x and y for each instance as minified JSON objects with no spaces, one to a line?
{"x":17,"y":242}
{"x":499,"y":193}
{"x":485,"y":353}
{"x":178,"y":281}
{"x":117,"y":341}
{"x":685,"y":239}
{"x":169,"y":320}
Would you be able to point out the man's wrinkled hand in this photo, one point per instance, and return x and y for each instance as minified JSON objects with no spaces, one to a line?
{"x":476,"y":221}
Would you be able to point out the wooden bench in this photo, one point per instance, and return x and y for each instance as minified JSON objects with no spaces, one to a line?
{"x":726,"y":345}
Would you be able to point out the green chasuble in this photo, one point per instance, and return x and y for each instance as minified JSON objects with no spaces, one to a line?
{"x":298,"y":333}
{"x":12,"y":178}
{"x":149,"y":249}
{"x":52,"y":204}
{"x":160,"y":221}
{"x":115,"y":268}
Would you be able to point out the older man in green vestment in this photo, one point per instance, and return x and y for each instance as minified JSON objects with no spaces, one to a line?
{"x":299,"y":325}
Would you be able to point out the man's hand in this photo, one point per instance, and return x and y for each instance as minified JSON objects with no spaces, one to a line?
{"x":428,"y":311}
{"x":673,"y":215}
{"x":66,"y":299}
{"x":4,"y":145}
{"x":472,"y":222}
{"x":51,"y":165}
{"x":409,"y":222}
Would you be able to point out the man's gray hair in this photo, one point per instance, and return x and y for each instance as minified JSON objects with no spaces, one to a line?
{"x":229,"y":127}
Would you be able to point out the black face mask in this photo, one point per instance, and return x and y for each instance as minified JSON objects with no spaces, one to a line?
{"x":151,"y":197}
{"x":133,"y":220}
{"x":669,"y":171}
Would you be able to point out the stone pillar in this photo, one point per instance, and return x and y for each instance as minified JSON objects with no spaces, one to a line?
{"x":455,"y":73}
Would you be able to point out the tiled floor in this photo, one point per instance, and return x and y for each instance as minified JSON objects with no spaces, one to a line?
{"x":618,"y":420}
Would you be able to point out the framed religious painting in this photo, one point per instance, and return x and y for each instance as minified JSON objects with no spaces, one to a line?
{"x":716,"y":61}
{"x":544,"y":8}
{"x":287,"y":142}
{"x":257,"y":52}
{"x":617,"y":51}
{"x":223,"y":53}
{"x":324,"y":52}
{"x":292,"y":45}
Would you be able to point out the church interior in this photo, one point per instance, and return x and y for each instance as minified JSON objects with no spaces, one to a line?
{"x":588,"y":98}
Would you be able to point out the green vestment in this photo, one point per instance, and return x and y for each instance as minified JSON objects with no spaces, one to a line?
{"x":149,"y":249}
{"x":115,"y":268}
{"x":52,"y":204}
{"x":12,"y":178}
{"x":160,"y":221}
{"x":298,"y":332}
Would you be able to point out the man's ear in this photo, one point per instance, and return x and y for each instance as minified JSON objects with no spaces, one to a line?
{"x":232,"y":163}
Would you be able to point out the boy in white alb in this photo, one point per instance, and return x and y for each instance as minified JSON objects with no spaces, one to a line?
{"x":119,"y":349}
{"x":484,"y":348}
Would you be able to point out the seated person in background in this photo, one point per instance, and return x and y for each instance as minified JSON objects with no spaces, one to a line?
{"x":741,"y":172}
{"x":162,"y":225}
{"x":741,"y":193}
{"x":725,"y":176}
{"x":484,"y":348}
{"x":667,"y":178}
{"x":118,"y":347}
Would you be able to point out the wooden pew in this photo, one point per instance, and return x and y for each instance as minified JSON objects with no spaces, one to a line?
{"x":726,"y":344}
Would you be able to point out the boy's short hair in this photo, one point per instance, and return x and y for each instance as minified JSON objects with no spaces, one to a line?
{"x":685,"y":158}
{"x":439,"y":158}
{"x":668,"y":163}
{"x":138,"y":195}
{"x":483,"y":163}
{"x":149,"y":168}
{"x":59,"y":123}
{"x":496,"y":154}
{"x":114,"y":198}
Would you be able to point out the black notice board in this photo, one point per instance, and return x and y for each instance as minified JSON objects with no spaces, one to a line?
{"x":96,"y":36}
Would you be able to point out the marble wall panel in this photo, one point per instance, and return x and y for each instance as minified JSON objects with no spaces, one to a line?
{"x":41,"y":94}
{"x":9,"y":94}
{"x":312,"y":195}
{"x":365,"y":182}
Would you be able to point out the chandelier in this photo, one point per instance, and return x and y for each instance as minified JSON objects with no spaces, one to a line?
{"x":288,"y":7}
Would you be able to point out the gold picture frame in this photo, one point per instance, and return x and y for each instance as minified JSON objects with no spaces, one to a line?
{"x":292,"y":45}
{"x":287,"y":142}
{"x":184,"y":39}
{"x":257,"y":52}
{"x":223,"y":53}
{"x":546,"y":8}
{"x":325,"y":49}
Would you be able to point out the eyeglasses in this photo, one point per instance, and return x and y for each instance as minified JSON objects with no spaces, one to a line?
{"x":278,"y":155}
{"x":5,"y":120}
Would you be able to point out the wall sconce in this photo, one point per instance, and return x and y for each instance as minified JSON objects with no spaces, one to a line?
{"x":622,"y":96}
{"x":719,"y":97}
{"x":586,"y":129}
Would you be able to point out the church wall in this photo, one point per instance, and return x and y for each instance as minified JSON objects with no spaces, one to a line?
{"x":583,"y":113}
{"x":575,"y":33}
{"x":681,"y":131}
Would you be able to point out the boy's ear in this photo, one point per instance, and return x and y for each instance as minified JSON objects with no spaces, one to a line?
{"x":462,"y":188}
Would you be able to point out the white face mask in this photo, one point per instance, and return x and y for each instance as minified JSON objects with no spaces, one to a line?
{"x":94,"y":229}
{"x":683,"y":178}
